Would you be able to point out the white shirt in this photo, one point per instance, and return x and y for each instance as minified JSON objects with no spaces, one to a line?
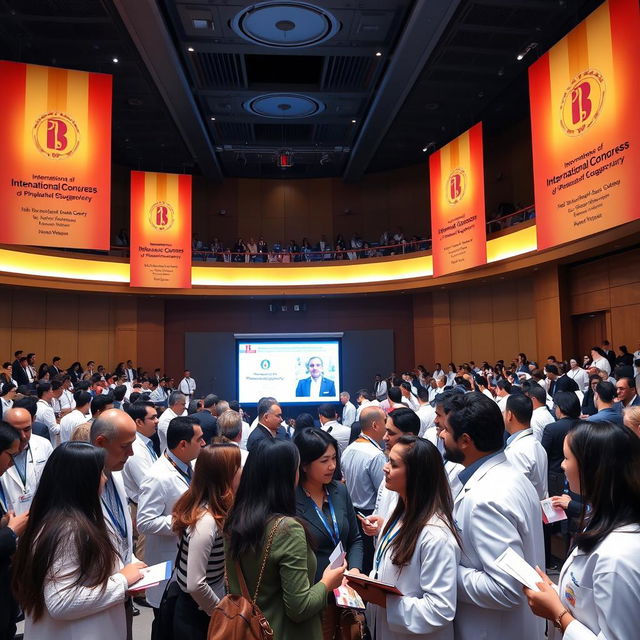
{"x":602,"y":364}
{"x":187,"y":387}
{"x":601,"y":589}
{"x":381,"y":390}
{"x":580,"y":377}
{"x":246,"y":432}
{"x":501,"y":401}
{"x":123,"y":545}
{"x":341,"y":433}
{"x":66,"y":400}
{"x":427,"y":415}
{"x":69,"y":422}
{"x":526,"y":454}
{"x":314,"y":387}
{"x":163,"y":424}
{"x":159,"y":492}
{"x":428,"y":584}
{"x":137,"y":466}
{"x":410,"y":403}
{"x":362,"y":463}
{"x":348,"y":414}
{"x":45,"y":414}
{"x":540,"y":418}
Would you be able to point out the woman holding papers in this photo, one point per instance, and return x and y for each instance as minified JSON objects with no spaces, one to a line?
{"x":198,"y":519}
{"x":264,"y":511}
{"x":325,"y":507}
{"x":417,"y":550}
{"x":67,"y":574}
{"x":598,"y":596}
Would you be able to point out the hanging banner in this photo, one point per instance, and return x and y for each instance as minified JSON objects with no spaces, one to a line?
{"x":458,"y":227}
{"x":584,"y":95}
{"x":160,"y":230}
{"x":55,"y":174}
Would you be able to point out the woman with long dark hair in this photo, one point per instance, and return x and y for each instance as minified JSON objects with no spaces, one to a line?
{"x":417,"y":550}
{"x":198,"y":520}
{"x":265,"y":509}
{"x":598,"y":593}
{"x":67,"y":574}
{"x":326,"y":508}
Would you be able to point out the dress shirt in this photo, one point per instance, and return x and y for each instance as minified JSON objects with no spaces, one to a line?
{"x":45,"y":414}
{"x":341,"y":433}
{"x":163,"y":424}
{"x":348,"y":414}
{"x":362,"y":464}
{"x":158,"y":395}
{"x":187,"y":387}
{"x":427,"y":415}
{"x":137,"y":466}
{"x":540,"y":418}
{"x":526,"y":454}
{"x":69,"y":422}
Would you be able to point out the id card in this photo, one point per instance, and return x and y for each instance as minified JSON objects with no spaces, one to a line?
{"x":23,"y":504}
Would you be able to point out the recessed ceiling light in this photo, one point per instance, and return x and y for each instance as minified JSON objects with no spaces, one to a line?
{"x":190,"y":49}
{"x":212,"y":118}
{"x":424,"y":149}
{"x":115,"y":60}
{"x":353,"y":122}
{"x":378,"y":54}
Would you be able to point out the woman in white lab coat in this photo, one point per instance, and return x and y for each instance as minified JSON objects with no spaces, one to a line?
{"x":417,"y":549}
{"x":598,"y":595}
{"x":67,"y":575}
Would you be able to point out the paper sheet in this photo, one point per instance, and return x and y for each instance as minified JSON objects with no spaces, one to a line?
{"x":152,"y":576}
{"x":515,"y":566}
{"x":336,"y":559}
{"x":551,"y":513}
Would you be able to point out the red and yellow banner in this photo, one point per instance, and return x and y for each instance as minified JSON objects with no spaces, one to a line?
{"x":55,"y":174}
{"x":160,"y":230}
{"x":585,"y":94}
{"x":458,"y":227}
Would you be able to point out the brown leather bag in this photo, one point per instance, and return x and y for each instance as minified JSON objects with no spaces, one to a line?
{"x":238,"y":617}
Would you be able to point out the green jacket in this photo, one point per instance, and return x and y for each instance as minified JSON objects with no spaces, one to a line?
{"x":288,"y":598}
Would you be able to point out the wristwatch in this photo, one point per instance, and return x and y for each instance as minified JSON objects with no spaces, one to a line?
{"x":557,"y":623}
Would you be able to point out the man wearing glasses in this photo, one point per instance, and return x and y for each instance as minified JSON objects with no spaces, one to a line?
{"x":269,"y":421}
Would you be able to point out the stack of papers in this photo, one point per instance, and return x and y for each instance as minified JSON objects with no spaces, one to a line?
{"x":152,"y":576}
{"x":515,"y":566}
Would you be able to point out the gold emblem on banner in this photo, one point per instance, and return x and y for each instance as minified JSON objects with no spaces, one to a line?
{"x":56,"y":135}
{"x":161,"y":216}
{"x":582,"y":102}
{"x":456,"y":185}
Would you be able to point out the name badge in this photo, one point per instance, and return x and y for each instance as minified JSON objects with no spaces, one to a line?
{"x":24,"y":503}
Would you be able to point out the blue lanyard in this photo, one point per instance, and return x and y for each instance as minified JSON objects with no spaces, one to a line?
{"x":119,"y":521}
{"x":386,"y":540}
{"x":185,"y":476}
{"x":23,"y":474}
{"x":335,"y":534}
{"x":3,"y":500}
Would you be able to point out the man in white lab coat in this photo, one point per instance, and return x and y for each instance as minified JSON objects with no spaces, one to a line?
{"x":177,"y":404}
{"x":497,"y":508}
{"x":187,"y":386}
{"x":524,"y":451}
{"x":167,"y":479}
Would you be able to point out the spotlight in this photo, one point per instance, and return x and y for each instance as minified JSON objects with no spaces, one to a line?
{"x":212,"y":118}
{"x":115,"y":60}
{"x":530,"y":47}
{"x":353,"y":122}
{"x":378,"y":54}
{"x":190,"y":49}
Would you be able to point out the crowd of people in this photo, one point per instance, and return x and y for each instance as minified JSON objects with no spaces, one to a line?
{"x":407,"y":497}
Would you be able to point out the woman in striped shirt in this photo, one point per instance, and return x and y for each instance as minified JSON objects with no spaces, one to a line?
{"x":198,"y":519}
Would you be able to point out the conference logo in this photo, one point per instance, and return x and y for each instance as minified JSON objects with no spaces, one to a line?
{"x":56,"y":135}
{"x":265,"y":364}
{"x":582,"y":102}
{"x":161,"y":216}
{"x":456,"y":185}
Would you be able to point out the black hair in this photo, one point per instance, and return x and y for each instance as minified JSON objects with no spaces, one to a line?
{"x":119,"y":392}
{"x":138,"y":410}
{"x":505,"y":385}
{"x":423,"y":393}
{"x":8,"y":435}
{"x":521,"y":407}
{"x":81,"y":398}
{"x":266,"y":490}
{"x":406,"y":420}
{"x":312,"y":444}
{"x":327,"y":410}
{"x":265,"y":404}
{"x":100,"y":401}
{"x":305,"y":421}
{"x":608,"y":457}
{"x":27,"y":402}
{"x":477,"y":416}
{"x":365,"y":393}
{"x":395,"y":395}
{"x":234,"y":405}
{"x":599,"y":351}
{"x":606,"y":392}
{"x":568,"y":403}
{"x":179,"y":429}
{"x":210,"y":400}
{"x":536,"y":391}
{"x":551,"y":368}
{"x":42,"y":388}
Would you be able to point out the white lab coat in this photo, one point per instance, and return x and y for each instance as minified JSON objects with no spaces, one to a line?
{"x":136,"y":468}
{"x":427,"y":415}
{"x":69,"y":422}
{"x":526,"y":454}
{"x":39,"y":451}
{"x":79,"y":613}
{"x":115,"y":535}
{"x":428,"y":585}
{"x":496,"y":509}
{"x":601,"y":589}
{"x":540,"y":418}
{"x":160,"y":490}
{"x":163,"y":424}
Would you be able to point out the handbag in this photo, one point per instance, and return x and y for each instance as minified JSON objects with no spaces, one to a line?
{"x":162,"y":626}
{"x":238,"y":617}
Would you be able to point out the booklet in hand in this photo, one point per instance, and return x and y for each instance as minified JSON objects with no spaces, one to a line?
{"x":550,"y":513}
{"x":515,"y":566}
{"x":348,"y":598}
{"x":336,"y":559}
{"x":151,"y":576}
{"x":366,"y":582}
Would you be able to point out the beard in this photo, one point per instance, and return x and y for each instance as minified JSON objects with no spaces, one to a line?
{"x":453,"y":455}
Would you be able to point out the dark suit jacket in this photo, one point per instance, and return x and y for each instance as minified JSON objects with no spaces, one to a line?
{"x":8,"y":607}
{"x":20,"y":375}
{"x":347,"y":525}
{"x":209,"y":424}
{"x":53,"y":372}
{"x":563,"y":383}
{"x":552,"y":440}
{"x":588,"y":407}
{"x":327,"y":388}
{"x":259,"y":433}
{"x":41,"y":429}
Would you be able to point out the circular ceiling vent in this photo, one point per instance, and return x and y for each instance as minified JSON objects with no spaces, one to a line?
{"x":284,"y":105}
{"x":285,"y":24}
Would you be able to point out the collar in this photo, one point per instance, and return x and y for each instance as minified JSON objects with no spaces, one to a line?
{"x":465,"y":475}
{"x":519,"y":434}
{"x":146,"y":440}
{"x":273,"y":435}
{"x":181,"y":465}
{"x":630,"y":404}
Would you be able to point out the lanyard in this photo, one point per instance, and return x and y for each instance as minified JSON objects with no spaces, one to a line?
{"x":119,"y":521}
{"x":386,"y":540}
{"x":185,"y":476}
{"x":23,"y":474}
{"x":364,"y":438}
{"x":3,"y":500}
{"x":149,"y":446}
{"x":335,"y":534}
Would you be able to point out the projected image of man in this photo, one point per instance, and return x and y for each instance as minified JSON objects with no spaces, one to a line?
{"x":316,"y":385}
